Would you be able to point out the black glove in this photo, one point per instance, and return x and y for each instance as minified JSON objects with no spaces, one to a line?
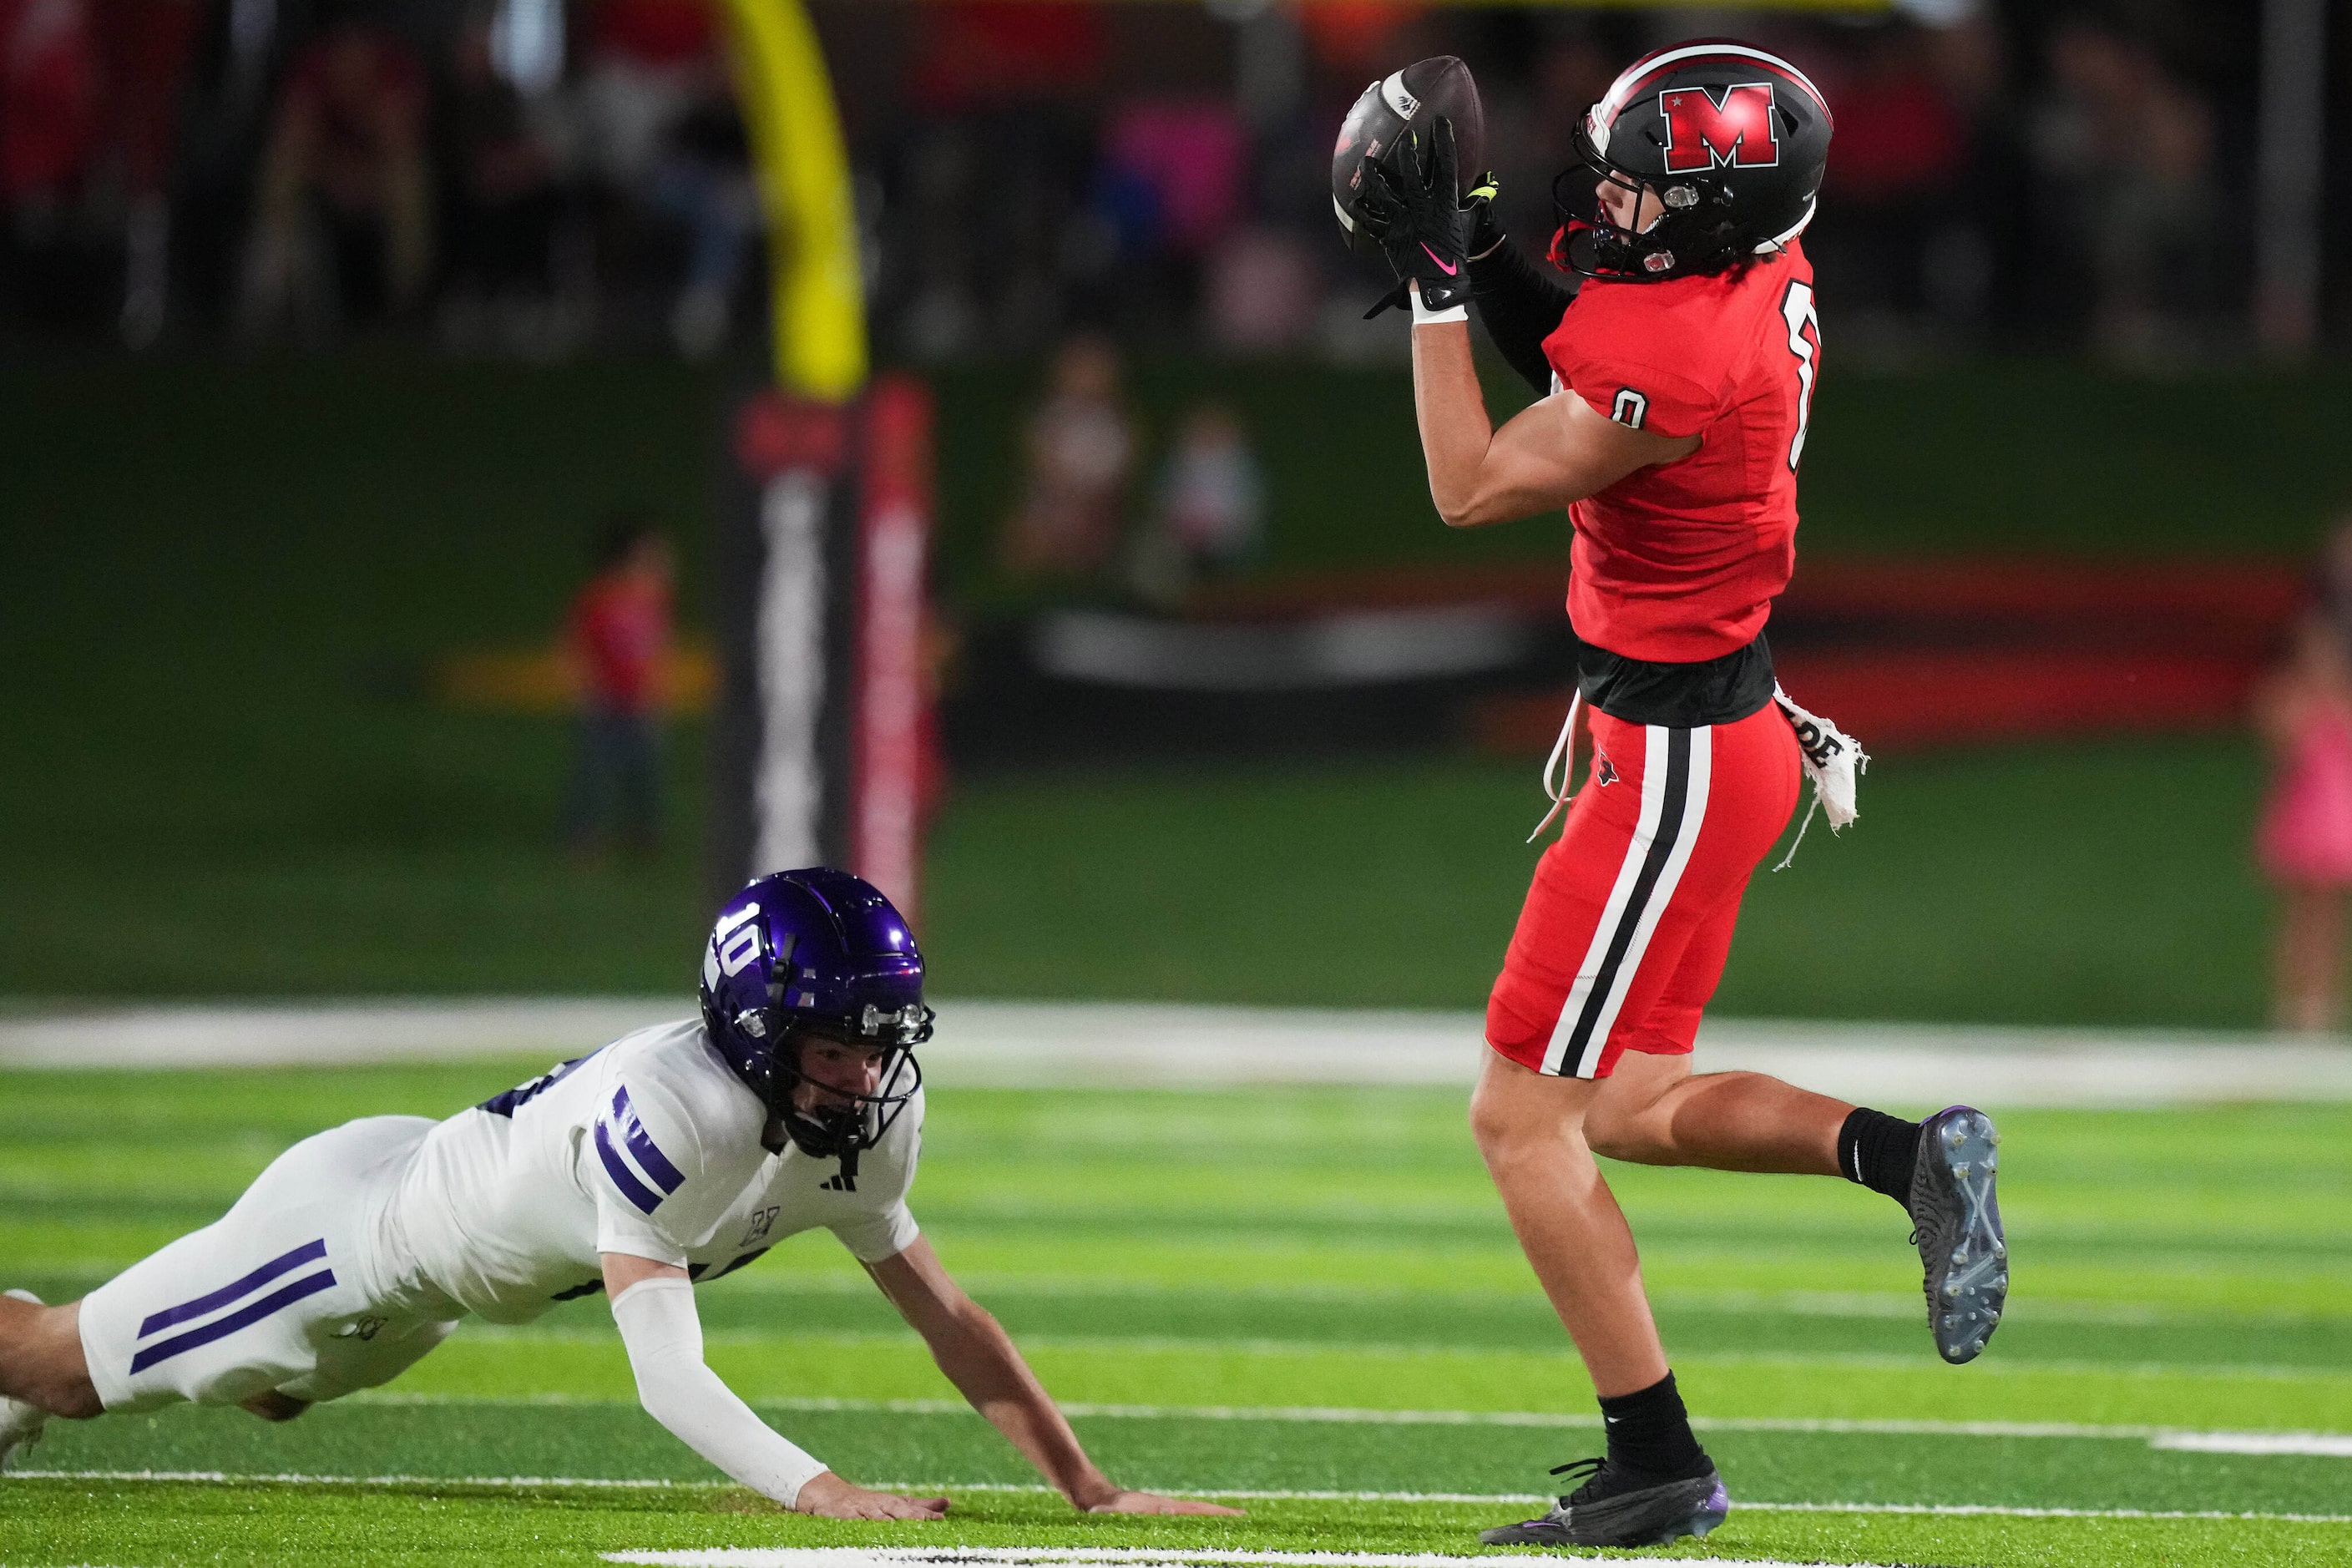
{"x":1409,"y":208}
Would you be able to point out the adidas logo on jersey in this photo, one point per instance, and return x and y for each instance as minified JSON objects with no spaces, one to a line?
{"x":841,"y":1184}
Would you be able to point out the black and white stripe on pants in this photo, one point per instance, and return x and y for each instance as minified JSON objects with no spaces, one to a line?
{"x":1677,"y":766}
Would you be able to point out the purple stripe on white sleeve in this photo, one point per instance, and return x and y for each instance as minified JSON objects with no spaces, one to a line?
{"x":636,"y":1191}
{"x":652,"y":1160}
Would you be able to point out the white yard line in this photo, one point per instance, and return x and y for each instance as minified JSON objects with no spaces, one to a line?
{"x":893,"y":1557}
{"x":274,"y":1034}
{"x":2317,"y":1445}
{"x":1997,"y":1510}
{"x":1029,"y":1043}
{"x":240,"y":1478}
{"x":1901,"y":1305}
{"x":2179,"y":1438}
{"x":2003,"y":1512}
{"x":2008,"y":1366}
{"x":914,"y":1556}
{"x":1888,"y":1305}
{"x":596,"y":1482}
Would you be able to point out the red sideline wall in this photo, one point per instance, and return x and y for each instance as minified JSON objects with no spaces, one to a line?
{"x":1926,"y":652}
{"x":891,"y":731}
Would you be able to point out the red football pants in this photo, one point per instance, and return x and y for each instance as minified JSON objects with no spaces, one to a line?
{"x":1629,"y":920}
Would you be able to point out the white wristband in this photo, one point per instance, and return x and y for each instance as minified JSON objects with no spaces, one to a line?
{"x":1423,"y":316}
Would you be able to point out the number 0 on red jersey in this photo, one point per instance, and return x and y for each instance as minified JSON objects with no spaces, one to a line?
{"x":1681,"y":563}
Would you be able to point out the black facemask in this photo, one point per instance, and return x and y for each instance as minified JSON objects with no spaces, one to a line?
{"x":842,"y":1125}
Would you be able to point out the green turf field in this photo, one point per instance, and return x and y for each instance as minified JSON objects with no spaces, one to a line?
{"x":1276,"y":1293}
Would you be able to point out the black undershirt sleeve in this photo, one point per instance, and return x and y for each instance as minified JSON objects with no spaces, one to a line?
{"x":1520,"y":305}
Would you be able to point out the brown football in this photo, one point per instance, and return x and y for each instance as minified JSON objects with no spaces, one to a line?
{"x":1416,"y":97}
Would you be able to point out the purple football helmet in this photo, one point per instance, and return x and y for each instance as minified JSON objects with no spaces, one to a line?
{"x":822,"y":953}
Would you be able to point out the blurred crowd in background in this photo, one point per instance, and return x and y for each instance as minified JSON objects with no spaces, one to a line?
{"x":519,"y":176}
{"x":549,"y":177}
{"x":1205,"y":517}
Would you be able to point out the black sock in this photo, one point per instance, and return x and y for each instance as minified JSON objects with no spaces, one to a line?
{"x":1878,"y":1151}
{"x":1650,"y":1431}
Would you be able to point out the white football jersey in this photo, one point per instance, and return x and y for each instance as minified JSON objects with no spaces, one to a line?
{"x":649,"y":1146}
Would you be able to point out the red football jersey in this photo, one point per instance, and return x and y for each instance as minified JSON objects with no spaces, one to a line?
{"x":1681,"y":563}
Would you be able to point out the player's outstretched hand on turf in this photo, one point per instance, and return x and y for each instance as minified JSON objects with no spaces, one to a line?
{"x":827,"y":1496}
{"x":1151,"y":1502}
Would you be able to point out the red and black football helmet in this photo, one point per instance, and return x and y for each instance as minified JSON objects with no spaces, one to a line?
{"x":1733,"y":140}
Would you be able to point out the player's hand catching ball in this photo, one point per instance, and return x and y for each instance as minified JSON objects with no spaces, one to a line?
{"x":1151,"y":1502}
{"x":1409,"y":209}
{"x":827,"y":1496}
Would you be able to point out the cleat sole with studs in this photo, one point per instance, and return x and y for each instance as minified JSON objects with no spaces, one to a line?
{"x":1961,"y":1245}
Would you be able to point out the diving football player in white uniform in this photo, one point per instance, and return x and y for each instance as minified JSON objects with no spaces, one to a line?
{"x":675,"y":1155}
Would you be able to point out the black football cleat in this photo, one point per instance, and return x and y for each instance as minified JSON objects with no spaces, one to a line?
{"x":1621,"y":1507}
{"x":1957,"y":1223}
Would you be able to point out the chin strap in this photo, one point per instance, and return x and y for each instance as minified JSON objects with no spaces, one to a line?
{"x":1556,"y":252}
{"x":772,"y":1136}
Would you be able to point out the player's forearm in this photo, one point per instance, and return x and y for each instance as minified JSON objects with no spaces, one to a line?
{"x":663,"y":1338}
{"x":1455,"y":433}
{"x":980,"y":1359}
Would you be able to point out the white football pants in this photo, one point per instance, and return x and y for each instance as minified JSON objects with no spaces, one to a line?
{"x":281,"y":1292}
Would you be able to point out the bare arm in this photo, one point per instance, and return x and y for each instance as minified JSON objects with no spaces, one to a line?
{"x":982,"y":1361}
{"x":1551,"y":454}
{"x":623,"y":1269}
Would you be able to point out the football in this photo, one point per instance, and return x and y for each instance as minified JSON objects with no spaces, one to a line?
{"x":1416,"y":97}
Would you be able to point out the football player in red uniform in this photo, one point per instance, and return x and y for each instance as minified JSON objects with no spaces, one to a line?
{"x":1678,"y":381}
